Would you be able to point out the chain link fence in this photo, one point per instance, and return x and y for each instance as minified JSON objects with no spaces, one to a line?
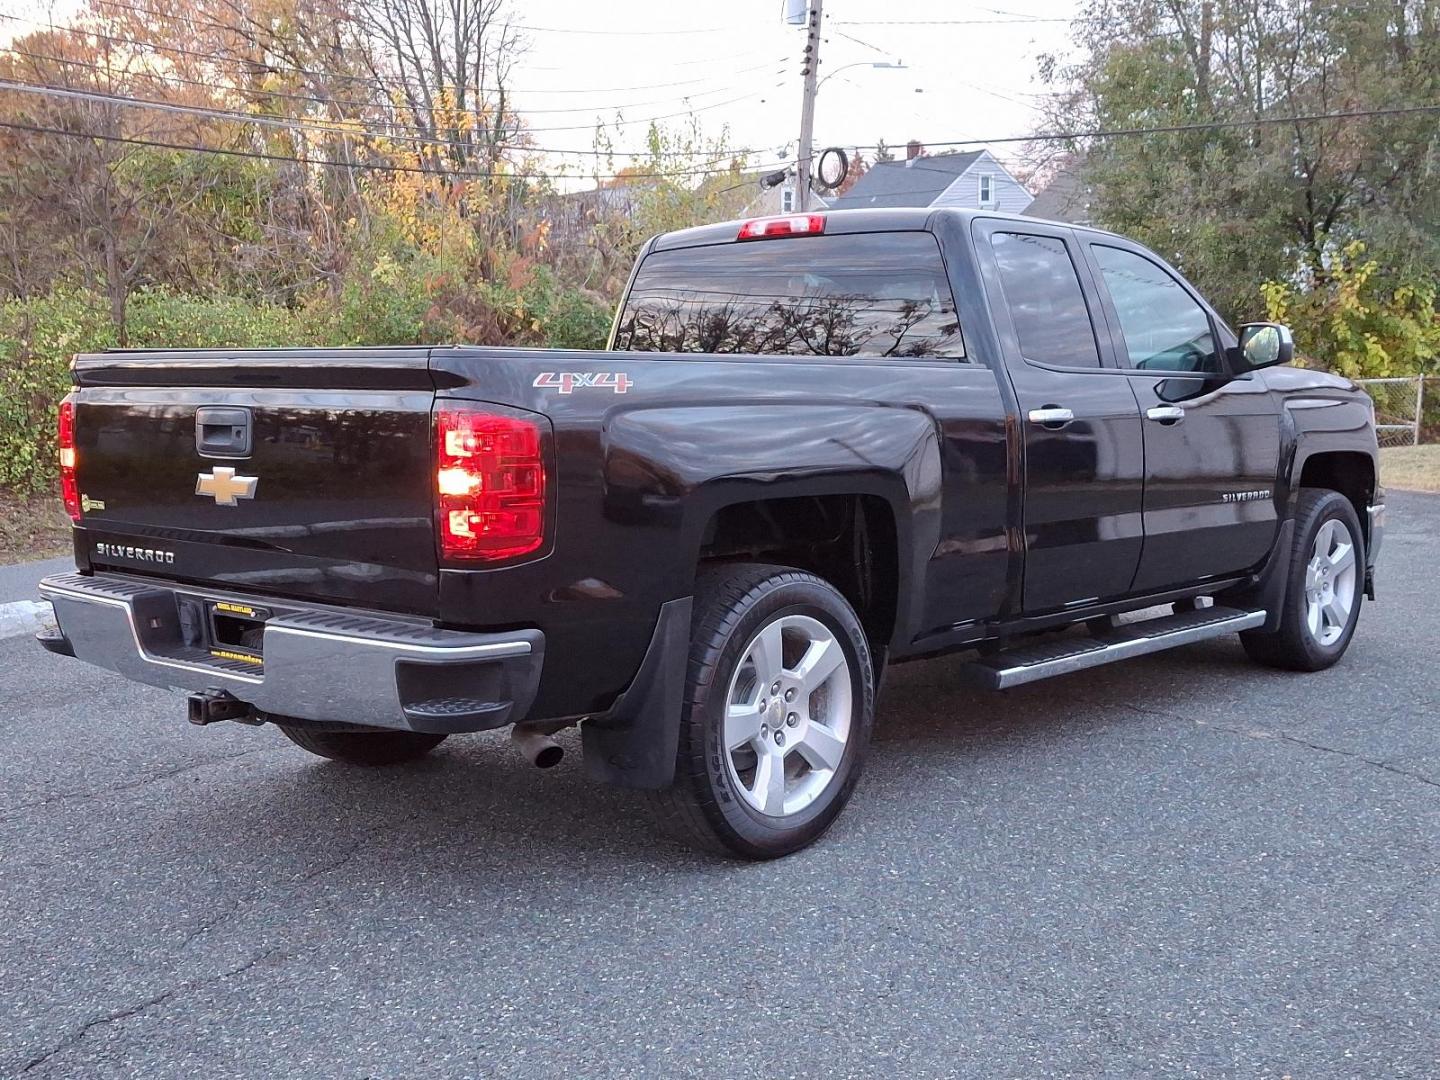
{"x":1399,"y":408}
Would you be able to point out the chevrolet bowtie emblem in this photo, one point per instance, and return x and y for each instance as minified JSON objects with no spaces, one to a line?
{"x":225,"y":486}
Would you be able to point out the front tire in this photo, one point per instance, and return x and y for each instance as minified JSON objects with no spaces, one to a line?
{"x":779,"y":703}
{"x":1324,"y":589}
{"x":362,"y":747}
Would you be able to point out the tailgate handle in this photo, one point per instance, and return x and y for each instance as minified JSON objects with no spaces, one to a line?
{"x":222,"y":431}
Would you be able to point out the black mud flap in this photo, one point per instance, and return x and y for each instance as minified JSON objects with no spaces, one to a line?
{"x":1267,"y":591}
{"x":635,"y":743}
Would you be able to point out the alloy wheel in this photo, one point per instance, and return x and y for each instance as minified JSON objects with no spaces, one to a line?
{"x":788,"y":715}
{"x":1330,"y":582}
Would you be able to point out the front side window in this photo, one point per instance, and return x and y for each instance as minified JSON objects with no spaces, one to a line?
{"x":1047,"y":306}
{"x":1164,"y":328}
{"x":860,"y":294}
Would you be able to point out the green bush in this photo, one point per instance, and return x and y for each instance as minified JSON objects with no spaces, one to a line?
{"x":160,"y":320}
{"x":37,"y":338}
{"x":1359,"y":322}
{"x":385,"y":304}
{"x":568,"y":318}
{"x":392,"y":302}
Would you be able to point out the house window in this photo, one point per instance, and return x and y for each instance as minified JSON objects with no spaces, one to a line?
{"x":787,"y":200}
{"x":987,"y":190}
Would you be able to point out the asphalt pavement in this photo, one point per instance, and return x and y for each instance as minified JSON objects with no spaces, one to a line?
{"x":17,"y":582}
{"x":1184,"y":865}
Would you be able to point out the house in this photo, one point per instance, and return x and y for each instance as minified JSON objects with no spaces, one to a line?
{"x":780,"y":199}
{"x":975,"y":180}
{"x":1066,"y":197}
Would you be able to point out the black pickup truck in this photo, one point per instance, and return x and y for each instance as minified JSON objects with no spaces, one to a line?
{"x":815,"y":446}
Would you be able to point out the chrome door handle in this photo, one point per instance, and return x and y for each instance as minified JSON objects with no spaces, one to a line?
{"x":1165,"y":414}
{"x":1050,"y":416}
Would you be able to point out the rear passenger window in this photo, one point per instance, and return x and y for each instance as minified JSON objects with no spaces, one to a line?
{"x":1042,"y":291}
{"x":858,"y":294}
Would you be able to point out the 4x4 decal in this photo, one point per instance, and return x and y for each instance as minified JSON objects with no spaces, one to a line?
{"x":568,"y":381}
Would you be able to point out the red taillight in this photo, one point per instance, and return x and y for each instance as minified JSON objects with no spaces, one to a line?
{"x":490,"y":485}
{"x":65,"y":436}
{"x":797,"y":225}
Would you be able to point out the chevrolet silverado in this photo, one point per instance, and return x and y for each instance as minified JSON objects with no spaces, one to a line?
{"x":815,"y":446}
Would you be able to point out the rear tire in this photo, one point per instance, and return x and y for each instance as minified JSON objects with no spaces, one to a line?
{"x":362,"y":747}
{"x":760,"y":773}
{"x":1324,"y":589}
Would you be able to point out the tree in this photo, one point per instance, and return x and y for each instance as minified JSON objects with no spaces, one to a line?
{"x":99,"y":209}
{"x":1244,"y":194}
{"x":689,"y":178}
{"x":858,"y":168}
{"x":1357,"y":325}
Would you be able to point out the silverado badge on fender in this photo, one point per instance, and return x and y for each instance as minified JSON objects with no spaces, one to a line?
{"x":225,"y":486}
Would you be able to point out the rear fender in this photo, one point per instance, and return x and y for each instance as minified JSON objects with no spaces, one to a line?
{"x":661,"y":471}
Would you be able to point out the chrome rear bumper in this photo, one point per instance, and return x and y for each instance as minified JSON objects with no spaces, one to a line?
{"x":316,"y":663}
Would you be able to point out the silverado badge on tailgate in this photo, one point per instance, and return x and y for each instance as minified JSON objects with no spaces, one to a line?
{"x":225,"y":486}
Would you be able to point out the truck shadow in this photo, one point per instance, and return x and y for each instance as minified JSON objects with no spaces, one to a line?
{"x":479,"y":810}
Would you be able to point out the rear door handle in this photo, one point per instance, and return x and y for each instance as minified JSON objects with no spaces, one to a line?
{"x":1050,"y":416}
{"x":1165,"y":414}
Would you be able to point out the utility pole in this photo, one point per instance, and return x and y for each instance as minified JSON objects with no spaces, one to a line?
{"x":807,"y":108}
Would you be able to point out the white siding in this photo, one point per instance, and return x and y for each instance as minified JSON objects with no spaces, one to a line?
{"x":768,"y":203}
{"x":1008,"y":193}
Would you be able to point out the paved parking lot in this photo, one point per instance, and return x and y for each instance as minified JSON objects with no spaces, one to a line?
{"x":1180,"y":866}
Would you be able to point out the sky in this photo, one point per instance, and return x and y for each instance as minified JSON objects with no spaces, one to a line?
{"x":970,"y":71}
{"x":739,"y":65}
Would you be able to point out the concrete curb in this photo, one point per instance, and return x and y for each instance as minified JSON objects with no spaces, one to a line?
{"x":25,"y":617}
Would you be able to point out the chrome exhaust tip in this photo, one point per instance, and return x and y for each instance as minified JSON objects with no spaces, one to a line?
{"x":536,"y":747}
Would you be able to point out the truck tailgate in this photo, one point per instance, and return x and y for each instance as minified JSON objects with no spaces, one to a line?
{"x":299,"y":472}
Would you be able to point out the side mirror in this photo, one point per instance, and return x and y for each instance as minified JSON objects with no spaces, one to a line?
{"x":1264,"y":345}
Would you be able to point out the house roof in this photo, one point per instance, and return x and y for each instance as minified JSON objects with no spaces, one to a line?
{"x":1065,"y":198}
{"x":917,"y":182}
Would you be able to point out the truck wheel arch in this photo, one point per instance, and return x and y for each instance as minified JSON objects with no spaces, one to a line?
{"x":852,"y":537}
{"x":1350,"y":472}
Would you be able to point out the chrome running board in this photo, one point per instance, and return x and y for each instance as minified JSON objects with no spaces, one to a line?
{"x":1031,"y":663}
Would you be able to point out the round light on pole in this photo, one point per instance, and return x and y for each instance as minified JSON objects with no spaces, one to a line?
{"x":833,"y":168}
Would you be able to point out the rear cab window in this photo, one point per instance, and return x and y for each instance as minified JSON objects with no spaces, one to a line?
{"x":863,"y":295}
{"x":1046,"y":303}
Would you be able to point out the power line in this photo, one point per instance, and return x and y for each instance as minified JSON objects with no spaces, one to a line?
{"x":664,"y":116}
{"x":517,"y":26}
{"x":379,"y":82}
{"x":949,"y":22}
{"x":287,"y":123}
{"x":686,"y":32}
{"x":866,"y":44}
{"x":1174,"y":129}
{"x":375,"y":103}
{"x":518,"y":174}
{"x":227,"y":28}
{"x":632,"y":33}
{"x":284,"y":123}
